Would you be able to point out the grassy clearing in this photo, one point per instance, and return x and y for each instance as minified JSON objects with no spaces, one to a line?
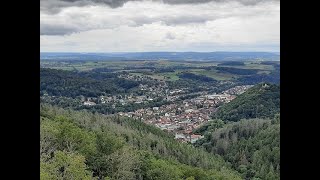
{"x":171,"y":76}
{"x":118,"y":66}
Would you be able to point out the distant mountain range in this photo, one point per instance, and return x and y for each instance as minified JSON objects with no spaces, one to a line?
{"x":209,"y":56}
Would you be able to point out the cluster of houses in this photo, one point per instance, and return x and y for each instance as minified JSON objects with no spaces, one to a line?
{"x":148,"y":93}
{"x":179,"y":117}
{"x":182,"y":118}
{"x":237,"y":89}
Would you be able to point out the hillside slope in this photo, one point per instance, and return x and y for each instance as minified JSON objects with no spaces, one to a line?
{"x":251,"y":146}
{"x":90,"y":84}
{"x":82,"y":145}
{"x":260,"y":101}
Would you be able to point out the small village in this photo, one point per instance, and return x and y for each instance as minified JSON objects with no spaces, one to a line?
{"x":177,"y":117}
{"x":181,"y":119}
{"x":146,"y":93}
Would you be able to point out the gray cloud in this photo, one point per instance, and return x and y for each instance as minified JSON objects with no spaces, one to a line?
{"x":54,"y":6}
{"x":73,"y":27}
{"x":160,"y":27}
{"x":72,"y":22}
{"x":98,"y":17}
{"x":77,"y":23}
{"x":57,"y":30}
{"x":172,"y":20}
{"x":245,"y":2}
{"x":170,"y":36}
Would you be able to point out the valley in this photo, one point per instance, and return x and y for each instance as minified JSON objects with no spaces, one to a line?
{"x":179,"y":106}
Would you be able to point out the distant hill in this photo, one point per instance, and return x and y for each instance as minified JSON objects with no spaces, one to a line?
{"x":260,"y":101}
{"x":212,"y":56}
{"x":89,"y":84}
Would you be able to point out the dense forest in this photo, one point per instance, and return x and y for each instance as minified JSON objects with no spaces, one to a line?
{"x":232,"y":63}
{"x":82,"y":145}
{"x":270,"y":62}
{"x":90,"y":84}
{"x":202,"y":78}
{"x":273,"y":77}
{"x":251,"y":146}
{"x":237,"y":71}
{"x":260,"y":101}
{"x":193,"y":84}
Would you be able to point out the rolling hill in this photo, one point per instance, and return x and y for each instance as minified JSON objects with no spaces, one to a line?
{"x":260,"y":101}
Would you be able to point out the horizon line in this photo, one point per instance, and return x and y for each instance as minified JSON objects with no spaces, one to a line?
{"x":156,"y":51}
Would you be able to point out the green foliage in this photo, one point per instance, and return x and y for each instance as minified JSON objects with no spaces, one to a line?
{"x":122,"y":148}
{"x":107,"y":143}
{"x":272,"y":77}
{"x":62,"y":134}
{"x":190,"y":178}
{"x":209,"y":127}
{"x":232,"y":63}
{"x":160,"y":169}
{"x":237,"y":71}
{"x":251,"y":146}
{"x":124,"y":164}
{"x":201,"y":78}
{"x":260,"y":101}
{"x":89,"y":84}
{"x":76,"y":104}
{"x":64,"y":165}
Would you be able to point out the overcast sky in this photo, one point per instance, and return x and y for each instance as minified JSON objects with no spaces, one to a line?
{"x":159,"y":25}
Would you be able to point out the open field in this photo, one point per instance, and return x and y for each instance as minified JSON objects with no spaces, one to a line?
{"x":165,"y":69}
{"x":171,"y":76}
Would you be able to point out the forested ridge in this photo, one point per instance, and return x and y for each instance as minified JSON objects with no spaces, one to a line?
{"x":251,"y":146}
{"x":82,"y":145}
{"x":90,"y":84}
{"x":202,"y":78}
{"x":260,"y":101}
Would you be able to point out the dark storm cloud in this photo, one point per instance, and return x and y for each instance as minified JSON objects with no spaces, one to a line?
{"x":54,"y":6}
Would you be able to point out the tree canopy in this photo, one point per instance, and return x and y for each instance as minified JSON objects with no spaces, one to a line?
{"x":82,"y":145}
{"x":260,"y":101}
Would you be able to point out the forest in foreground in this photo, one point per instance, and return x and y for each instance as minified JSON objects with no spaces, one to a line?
{"x":82,"y":145}
{"x":252,"y":146}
